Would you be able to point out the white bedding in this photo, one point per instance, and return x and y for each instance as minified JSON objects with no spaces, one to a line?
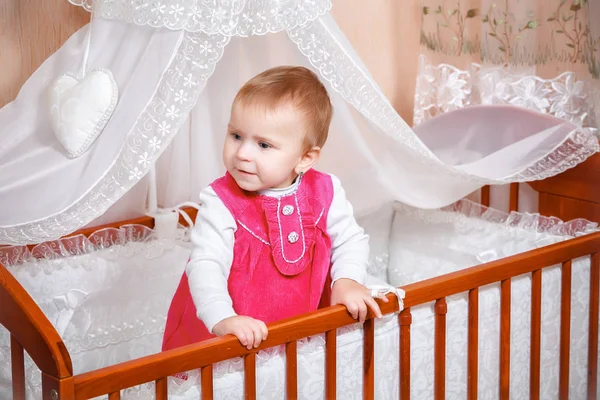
{"x":103,"y":324}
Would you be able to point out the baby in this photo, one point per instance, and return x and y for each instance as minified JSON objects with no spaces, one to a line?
{"x":272,"y":233}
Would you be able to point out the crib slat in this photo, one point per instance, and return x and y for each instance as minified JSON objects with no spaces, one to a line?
{"x":369,"y":360}
{"x":593,"y":329}
{"x":291,"y":368}
{"x":206,"y":377}
{"x":161,"y":389}
{"x":565,"y":330}
{"x":505,"y":339}
{"x":536,"y":334}
{"x":250,"y":376}
{"x":405,"y":320}
{"x":514,"y":197}
{"x":441,"y":308}
{"x":330,"y":364}
{"x":114,"y":396}
{"x":473,"y":343}
{"x":485,"y":196}
{"x":17,"y":360}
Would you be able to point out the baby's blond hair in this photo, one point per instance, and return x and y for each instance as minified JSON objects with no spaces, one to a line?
{"x":302,"y":88}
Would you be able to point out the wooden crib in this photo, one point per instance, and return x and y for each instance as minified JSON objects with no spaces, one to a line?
{"x":31,"y":331}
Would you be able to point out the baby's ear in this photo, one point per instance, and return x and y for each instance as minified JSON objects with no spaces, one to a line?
{"x":308,"y":160}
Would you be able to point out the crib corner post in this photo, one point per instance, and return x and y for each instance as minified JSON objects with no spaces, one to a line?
{"x":57,"y":389}
{"x":405,"y":320}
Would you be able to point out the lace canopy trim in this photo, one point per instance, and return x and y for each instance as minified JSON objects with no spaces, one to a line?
{"x":193,"y":63}
{"x":224,"y":17}
{"x":442,"y":88}
{"x":177,"y":92}
{"x":336,"y":66}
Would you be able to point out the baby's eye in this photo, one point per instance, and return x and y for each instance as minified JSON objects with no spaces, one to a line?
{"x":264,"y":145}
{"x":236,"y":136}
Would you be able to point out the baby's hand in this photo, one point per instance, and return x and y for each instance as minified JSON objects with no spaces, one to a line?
{"x":249,"y":331}
{"x":356,"y":298}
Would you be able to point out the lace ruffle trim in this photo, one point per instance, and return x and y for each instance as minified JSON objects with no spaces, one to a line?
{"x":224,"y":17}
{"x":465,"y":209}
{"x":136,"y":237}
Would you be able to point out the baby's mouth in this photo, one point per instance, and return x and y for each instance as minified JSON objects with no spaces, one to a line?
{"x":245,"y":172}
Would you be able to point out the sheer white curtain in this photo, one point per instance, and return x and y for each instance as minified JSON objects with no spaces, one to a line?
{"x":178,"y":66}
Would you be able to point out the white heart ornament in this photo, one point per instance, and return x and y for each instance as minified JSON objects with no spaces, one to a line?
{"x":80,"y":109}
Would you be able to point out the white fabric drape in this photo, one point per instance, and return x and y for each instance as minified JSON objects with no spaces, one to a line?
{"x":163,"y":74}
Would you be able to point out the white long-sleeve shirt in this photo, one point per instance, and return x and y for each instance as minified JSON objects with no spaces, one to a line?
{"x":213,"y":241}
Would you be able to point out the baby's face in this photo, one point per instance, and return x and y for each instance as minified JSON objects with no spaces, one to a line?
{"x":262,"y":148}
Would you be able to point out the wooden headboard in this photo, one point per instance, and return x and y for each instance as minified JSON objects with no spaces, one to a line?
{"x":572,"y":194}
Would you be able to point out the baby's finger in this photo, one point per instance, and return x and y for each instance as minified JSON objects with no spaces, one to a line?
{"x":352,"y":309}
{"x":362,"y":310}
{"x":263,"y":329}
{"x":373,"y":306}
{"x":256,"y":330}
{"x":240,"y":333}
{"x":249,"y":337}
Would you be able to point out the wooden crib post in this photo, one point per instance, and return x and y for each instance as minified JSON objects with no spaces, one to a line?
{"x":17,"y":362}
{"x":369,"y":360}
{"x":441,"y":308}
{"x":250,"y":376}
{"x":291,"y":370}
{"x":485,"y":196}
{"x":206,"y":376}
{"x":565,"y":330}
{"x":514,"y":197}
{"x":505,"y":339}
{"x":161,"y":388}
{"x":31,"y":331}
{"x":57,"y":389}
{"x":330,"y":364}
{"x":473,"y":344}
{"x":536,"y":334}
{"x":593,"y":329}
{"x":405,"y":319}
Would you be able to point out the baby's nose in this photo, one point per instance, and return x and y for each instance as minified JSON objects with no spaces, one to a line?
{"x":243,"y":153}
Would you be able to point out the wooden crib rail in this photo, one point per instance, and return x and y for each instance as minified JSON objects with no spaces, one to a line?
{"x":497,"y":271}
{"x":30,"y":331}
{"x":202,"y":355}
{"x":502,"y":271}
{"x":194,"y":356}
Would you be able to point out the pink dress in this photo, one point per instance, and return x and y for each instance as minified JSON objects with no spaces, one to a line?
{"x":281,"y":257}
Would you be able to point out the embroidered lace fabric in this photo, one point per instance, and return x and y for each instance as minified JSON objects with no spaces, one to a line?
{"x":82,"y":293}
{"x":443,"y":87}
{"x":358,"y":89}
{"x":193,"y":63}
{"x":222,"y":17}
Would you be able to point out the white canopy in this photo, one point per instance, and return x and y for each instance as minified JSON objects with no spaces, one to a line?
{"x":178,"y":65}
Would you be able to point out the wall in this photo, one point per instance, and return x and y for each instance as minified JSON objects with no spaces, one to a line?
{"x":385,"y":33}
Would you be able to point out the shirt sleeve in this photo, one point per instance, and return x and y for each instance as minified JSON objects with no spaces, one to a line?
{"x":349,"y":243}
{"x":210,"y":262}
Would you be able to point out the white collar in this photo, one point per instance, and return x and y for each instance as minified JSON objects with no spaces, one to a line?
{"x":280,"y":192}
